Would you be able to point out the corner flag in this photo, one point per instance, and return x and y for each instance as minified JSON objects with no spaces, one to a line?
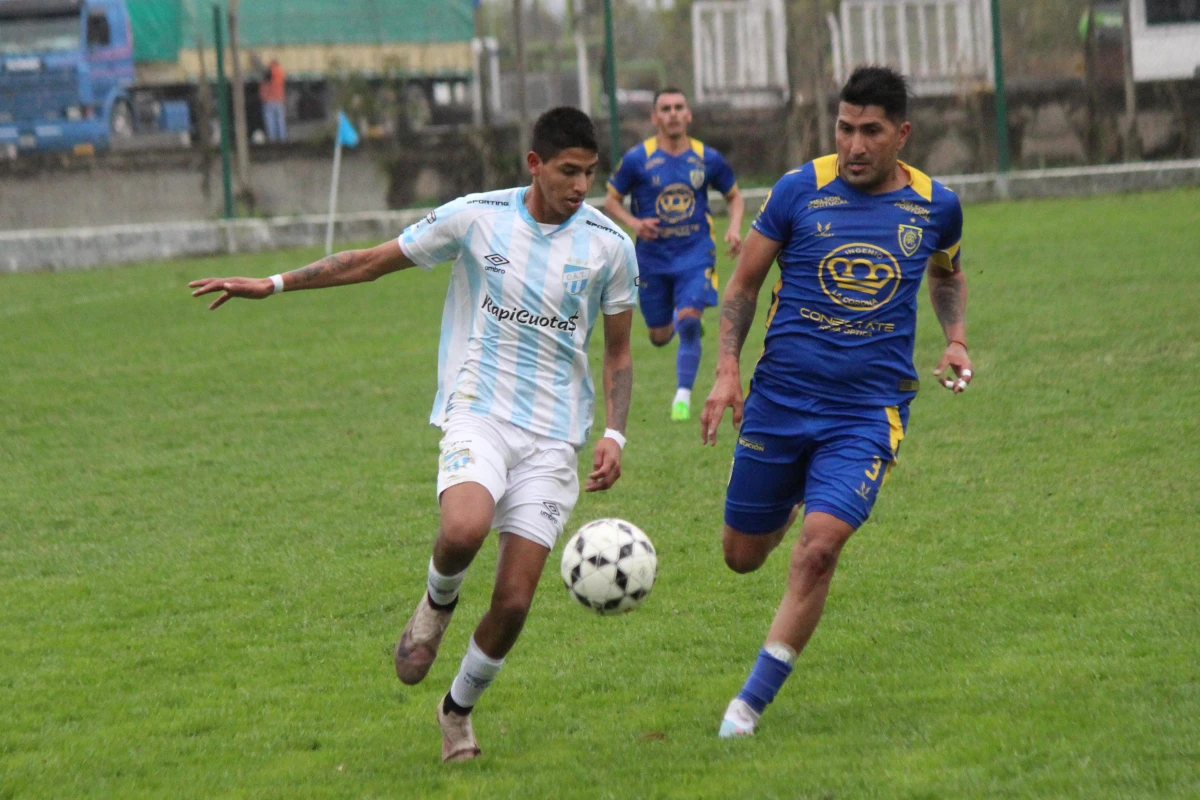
{"x":346,"y":134}
{"x":346,"y":137}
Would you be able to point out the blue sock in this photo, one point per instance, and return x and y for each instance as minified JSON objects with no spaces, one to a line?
{"x":687,"y":361}
{"x":765,"y":680}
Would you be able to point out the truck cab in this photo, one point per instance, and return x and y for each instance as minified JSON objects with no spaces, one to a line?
{"x":65,"y":70}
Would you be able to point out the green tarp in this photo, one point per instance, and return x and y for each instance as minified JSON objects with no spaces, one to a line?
{"x":162,"y":27}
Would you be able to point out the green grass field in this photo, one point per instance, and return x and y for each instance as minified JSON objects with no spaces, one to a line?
{"x":214,"y":525}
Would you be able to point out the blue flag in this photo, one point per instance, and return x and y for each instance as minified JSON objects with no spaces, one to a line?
{"x":346,"y":133}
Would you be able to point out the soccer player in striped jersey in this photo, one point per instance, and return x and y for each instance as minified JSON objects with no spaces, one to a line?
{"x":854,"y":233}
{"x":668,"y":177}
{"x":534,"y":268}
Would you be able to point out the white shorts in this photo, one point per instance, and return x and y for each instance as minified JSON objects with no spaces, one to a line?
{"x":533,"y":479}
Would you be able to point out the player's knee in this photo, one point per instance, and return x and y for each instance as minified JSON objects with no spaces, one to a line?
{"x":661,"y":337}
{"x":688,"y":327}
{"x":742,"y":562}
{"x":463,"y":530}
{"x":816,"y":559}
{"x":742,"y":552}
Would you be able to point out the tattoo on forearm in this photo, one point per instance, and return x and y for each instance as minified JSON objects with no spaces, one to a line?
{"x":948,"y":298}
{"x":620,"y":394}
{"x":330,"y":267}
{"x":738,"y":311}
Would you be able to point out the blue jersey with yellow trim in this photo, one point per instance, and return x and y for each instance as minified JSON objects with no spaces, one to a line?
{"x":675,"y":189}
{"x":843,"y":315}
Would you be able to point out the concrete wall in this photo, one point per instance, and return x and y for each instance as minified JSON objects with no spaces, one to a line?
{"x":81,"y":248}
{"x":132,"y":188}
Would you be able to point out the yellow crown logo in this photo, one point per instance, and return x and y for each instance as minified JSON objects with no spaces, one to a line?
{"x":860,"y":276}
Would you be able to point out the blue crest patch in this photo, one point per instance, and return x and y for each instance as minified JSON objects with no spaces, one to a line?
{"x":575,"y":278}
{"x":456,"y":460}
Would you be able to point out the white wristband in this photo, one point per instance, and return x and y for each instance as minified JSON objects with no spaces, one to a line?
{"x":277,"y":280}
{"x":616,"y":436}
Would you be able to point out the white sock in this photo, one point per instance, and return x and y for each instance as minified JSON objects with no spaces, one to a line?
{"x":443,"y":588}
{"x":476,"y":674}
{"x":682,"y":394}
{"x":783,"y":652}
{"x":741,"y":714}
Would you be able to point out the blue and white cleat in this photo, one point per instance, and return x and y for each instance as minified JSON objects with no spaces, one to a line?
{"x":739,"y":720}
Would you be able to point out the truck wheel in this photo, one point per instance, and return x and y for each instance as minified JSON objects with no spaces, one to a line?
{"x":120,"y":120}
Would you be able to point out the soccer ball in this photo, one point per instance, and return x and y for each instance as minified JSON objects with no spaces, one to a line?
{"x":609,"y":566}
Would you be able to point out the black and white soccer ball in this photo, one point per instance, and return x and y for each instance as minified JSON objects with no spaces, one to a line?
{"x":609,"y":566}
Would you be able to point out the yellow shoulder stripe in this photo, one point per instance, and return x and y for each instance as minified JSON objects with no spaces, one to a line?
{"x":651,"y":145}
{"x":613,"y":191}
{"x":697,"y":147}
{"x":921,"y":183}
{"x":944,"y":259}
{"x":827,"y":170}
{"x":952,"y":250}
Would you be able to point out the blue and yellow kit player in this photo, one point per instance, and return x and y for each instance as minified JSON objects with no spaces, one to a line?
{"x":854,"y":234}
{"x":669,"y":176}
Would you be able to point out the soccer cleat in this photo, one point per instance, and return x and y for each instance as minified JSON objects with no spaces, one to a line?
{"x":681,"y":411}
{"x":739,"y":720}
{"x":418,"y":645}
{"x":458,"y":736}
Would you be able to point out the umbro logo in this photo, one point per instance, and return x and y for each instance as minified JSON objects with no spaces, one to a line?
{"x":496,"y":260}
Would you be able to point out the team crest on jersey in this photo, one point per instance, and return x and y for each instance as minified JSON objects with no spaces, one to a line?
{"x":697,"y":176}
{"x":910,"y":238}
{"x":575,"y":277}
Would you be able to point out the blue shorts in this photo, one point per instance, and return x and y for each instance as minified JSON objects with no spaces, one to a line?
{"x":830,"y":458}
{"x":660,"y":295}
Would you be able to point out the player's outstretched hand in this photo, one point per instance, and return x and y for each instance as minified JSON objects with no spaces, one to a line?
{"x":249,"y":288}
{"x":646,"y":229}
{"x":606,"y":466}
{"x":726,"y":393}
{"x":734,"y":240}
{"x":955,"y":357}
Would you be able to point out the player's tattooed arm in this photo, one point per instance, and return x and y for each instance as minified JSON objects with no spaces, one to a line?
{"x":948,"y":296}
{"x":347,"y":267}
{"x":351,"y":266}
{"x":737,"y":314}
{"x":618,"y":369}
{"x":741,"y":296}
{"x":620,"y":396}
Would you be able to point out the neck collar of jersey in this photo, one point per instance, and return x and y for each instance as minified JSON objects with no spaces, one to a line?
{"x":533,"y":223}
{"x":694,"y":146}
{"x":827,"y":172}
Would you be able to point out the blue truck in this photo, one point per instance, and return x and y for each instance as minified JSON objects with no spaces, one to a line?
{"x":66,"y":68}
{"x":82,"y":75}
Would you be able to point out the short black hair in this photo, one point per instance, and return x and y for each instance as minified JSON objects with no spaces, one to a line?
{"x":561,"y":129}
{"x":668,"y":90}
{"x":878,"y":86}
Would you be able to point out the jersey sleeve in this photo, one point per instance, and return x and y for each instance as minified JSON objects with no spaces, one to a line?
{"x":774,"y":219}
{"x":625,"y":176}
{"x":950,"y":237}
{"x":720,"y":174}
{"x":620,"y":293}
{"x":437,"y":237}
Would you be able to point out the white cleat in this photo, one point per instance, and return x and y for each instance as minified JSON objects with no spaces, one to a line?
{"x":418,"y":645}
{"x":739,"y":720}
{"x":458,"y":736}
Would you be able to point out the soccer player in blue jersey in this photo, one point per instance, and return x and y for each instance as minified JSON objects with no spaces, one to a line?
{"x":669,"y":176}
{"x":535,"y":268}
{"x":854,"y":233}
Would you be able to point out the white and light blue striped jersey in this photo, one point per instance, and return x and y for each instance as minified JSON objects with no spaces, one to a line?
{"x":519,"y":312}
